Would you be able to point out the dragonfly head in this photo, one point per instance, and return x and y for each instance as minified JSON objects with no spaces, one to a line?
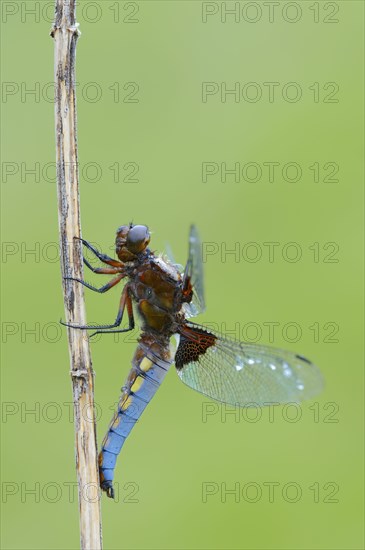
{"x":131,"y":240}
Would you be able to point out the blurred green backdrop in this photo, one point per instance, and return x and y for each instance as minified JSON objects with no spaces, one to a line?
{"x":147,"y":124}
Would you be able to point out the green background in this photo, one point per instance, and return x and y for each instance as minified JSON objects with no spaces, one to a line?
{"x":169,"y":133}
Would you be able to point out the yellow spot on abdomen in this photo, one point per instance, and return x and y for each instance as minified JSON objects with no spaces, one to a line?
{"x":137,"y":384}
{"x":116,"y":422}
{"x":145,"y":364}
{"x":126,"y":403}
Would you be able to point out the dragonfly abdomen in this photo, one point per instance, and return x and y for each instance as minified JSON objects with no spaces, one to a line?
{"x":149,"y":367}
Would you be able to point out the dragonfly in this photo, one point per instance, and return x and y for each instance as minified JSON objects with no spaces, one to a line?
{"x":165,"y":298}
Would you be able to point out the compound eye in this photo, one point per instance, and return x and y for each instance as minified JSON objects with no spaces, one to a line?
{"x":138,"y":238}
{"x":123,"y":230}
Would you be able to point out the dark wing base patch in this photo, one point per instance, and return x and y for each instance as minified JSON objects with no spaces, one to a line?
{"x":194,"y":342}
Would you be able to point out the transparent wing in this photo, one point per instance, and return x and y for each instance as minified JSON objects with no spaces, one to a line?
{"x":244,"y":375}
{"x":194,"y":274}
{"x":169,"y":253}
{"x":169,"y":257}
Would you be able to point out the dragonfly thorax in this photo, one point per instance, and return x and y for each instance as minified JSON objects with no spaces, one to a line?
{"x":156,"y":287}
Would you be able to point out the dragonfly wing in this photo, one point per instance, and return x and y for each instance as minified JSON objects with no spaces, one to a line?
{"x":169,"y":253}
{"x":244,"y":375}
{"x":169,"y":258}
{"x":194,"y":274}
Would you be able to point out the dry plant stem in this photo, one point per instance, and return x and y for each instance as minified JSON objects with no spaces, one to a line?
{"x":65,"y":34}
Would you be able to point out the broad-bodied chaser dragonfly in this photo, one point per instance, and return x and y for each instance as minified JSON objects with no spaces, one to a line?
{"x":231,"y":372}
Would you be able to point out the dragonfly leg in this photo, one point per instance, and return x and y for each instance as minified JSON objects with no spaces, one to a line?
{"x":125,"y":299}
{"x":102,"y":257}
{"x":103,"y":270}
{"x":128,"y":305}
{"x":104,"y":288}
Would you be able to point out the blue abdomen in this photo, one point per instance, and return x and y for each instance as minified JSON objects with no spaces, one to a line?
{"x":149,"y":367}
